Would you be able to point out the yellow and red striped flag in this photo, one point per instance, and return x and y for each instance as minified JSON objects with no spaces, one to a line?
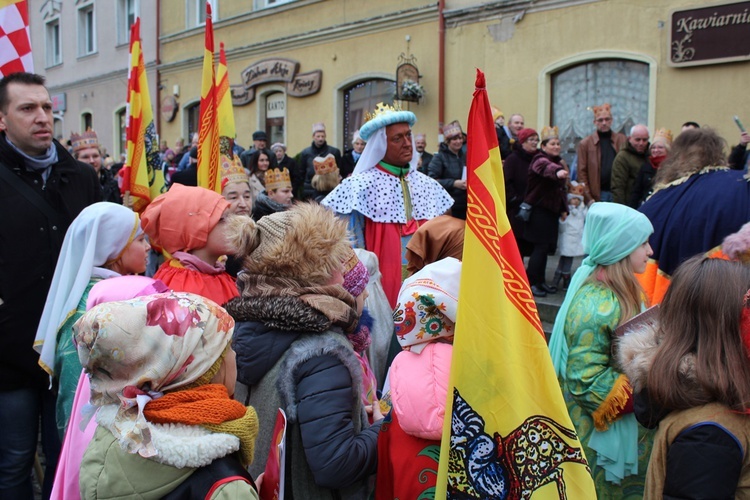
{"x":227,"y":131}
{"x":507,"y":431}
{"x":209,"y":175}
{"x":142,"y":175}
{"x":15,"y":42}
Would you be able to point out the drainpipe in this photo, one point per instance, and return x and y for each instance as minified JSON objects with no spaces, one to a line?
{"x":441,"y":65}
{"x":158,"y":74}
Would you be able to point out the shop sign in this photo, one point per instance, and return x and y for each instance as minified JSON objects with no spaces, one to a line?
{"x":275,"y":70}
{"x":169,"y":108}
{"x":58,"y":102}
{"x":710,"y":35}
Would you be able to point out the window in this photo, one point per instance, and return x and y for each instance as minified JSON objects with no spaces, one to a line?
{"x":122,"y":139}
{"x":86,"y":30}
{"x":362,"y":98}
{"x":87,"y":121}
{"x":54,"y":48}
{"x":196,"y":12}
{"x":192,"y":115}
{"x":267,"y":4}
{"x":622,"y":83}
{"x":127,"y":11}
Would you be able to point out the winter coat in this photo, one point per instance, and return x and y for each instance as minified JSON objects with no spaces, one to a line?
{"x":110,"y":188}
{"x":347,"y":164}
{"x":701,"y":452}
{"x":447,"y":167}
{"x":625,"y":169}
{"x":545,"y":189}
{"x":109,"y":472}
{"x":739,"y":158}
{"x":306,"y":158}
{"x":643,"y":186}
{"x":426,"y":159}
{"x":29,"y":247}
{"x":590,"y":162}
{"x":409,"y":442}
{"x":289,"y":357}
{"x":263,"y":205}
{"x":516,"y":173}
{"x":570,"y":230}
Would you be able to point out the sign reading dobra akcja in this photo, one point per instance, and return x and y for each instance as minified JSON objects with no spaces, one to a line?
{"x":275,"y":70}
{"x":710,"y":35}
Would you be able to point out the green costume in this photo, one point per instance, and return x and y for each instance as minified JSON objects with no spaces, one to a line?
{"x":590,"y":381}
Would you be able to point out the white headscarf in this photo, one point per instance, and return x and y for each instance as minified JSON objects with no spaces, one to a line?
{"x":99,"y":234}
{"x":375,"y":151}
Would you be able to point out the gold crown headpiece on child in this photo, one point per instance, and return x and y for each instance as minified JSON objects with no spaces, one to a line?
{"x":277,"y":178}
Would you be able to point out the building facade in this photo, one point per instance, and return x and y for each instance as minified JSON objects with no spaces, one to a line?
{"x":293,"y":63}
{"x":82,"y":48}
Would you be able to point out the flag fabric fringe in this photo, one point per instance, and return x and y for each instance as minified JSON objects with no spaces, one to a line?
{"x":507,"y":432}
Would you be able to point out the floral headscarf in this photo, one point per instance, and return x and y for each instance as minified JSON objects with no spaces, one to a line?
{"x":135,"y":350}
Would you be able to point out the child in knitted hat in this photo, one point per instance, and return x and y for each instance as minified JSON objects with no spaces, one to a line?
{"x":189,"y":225}
{"x":162,"y":374}
{"x":425,"y":319}
{"x":295,"y":323}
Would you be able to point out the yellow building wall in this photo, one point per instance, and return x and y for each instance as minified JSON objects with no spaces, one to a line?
{"x":709,"y":94}
{"x":347,"y":58}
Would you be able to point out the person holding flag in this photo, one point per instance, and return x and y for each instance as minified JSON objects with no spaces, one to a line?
{"x":603,"y":294}
{"x":505,"y":412}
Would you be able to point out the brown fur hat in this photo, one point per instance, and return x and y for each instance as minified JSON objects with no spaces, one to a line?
{"x":307,"y":243}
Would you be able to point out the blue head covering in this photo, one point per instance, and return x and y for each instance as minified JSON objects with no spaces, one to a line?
{"x":611,"y":233}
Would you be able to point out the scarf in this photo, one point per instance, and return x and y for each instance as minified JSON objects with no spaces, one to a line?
{"x":190,"y":261}
{"x":656,"y":161}
{"x":39,"y":164}
{"x":611,"y":233}
{"x":332,"y":301}
{"x":211,"y":407}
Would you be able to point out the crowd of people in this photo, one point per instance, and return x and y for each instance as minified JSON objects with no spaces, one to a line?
{"x":287,"y":290}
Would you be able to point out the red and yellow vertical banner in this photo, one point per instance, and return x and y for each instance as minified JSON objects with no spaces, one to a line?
{"x":15,"y":40}
{"x":209,"y":175}
{"x":507,"y":432}
{"x":142,"y":175}
{"x":227,"y":132}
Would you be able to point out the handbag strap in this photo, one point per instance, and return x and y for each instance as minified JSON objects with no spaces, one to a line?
{"x":30,"y":194}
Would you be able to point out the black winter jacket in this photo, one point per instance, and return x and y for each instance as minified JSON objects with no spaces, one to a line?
{"x":447,"y":167}
{"x":322,"y":388}
{"x":29,"y":247}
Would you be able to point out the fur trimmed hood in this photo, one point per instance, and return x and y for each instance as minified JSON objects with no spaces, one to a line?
{"x":635,"y":355}
{"x":279,"y":312}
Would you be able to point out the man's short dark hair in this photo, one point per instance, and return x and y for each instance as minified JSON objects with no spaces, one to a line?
{"x":20,"y":77}
{"x":690,"y":124}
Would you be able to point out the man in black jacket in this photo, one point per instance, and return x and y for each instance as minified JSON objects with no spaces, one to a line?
{"x":42,"y":189}
{"x":319,"y":147}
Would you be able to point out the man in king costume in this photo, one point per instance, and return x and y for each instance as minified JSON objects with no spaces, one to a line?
{"x":386,"y":198}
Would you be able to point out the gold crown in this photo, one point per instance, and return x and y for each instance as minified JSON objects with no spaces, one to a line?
{"x":85,"y":140}
{"x":665,"y":134}
{"x":549,"y":133}
{"x":232,"y":171}
{"x":381,"y":109}
{"x":325,"y":165}
{"x":277,"y":178}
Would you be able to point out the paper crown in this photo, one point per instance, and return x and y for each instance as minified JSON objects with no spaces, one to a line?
{"x":232,"y":171}
{"x":325,"y":165}
{"x":603,"y":110}
{"x":382,"y":116}
{"x":549,"y":133}
{"x":452,"y":129}
{"x":664,"y":135}
{"x":318,"y":127}
{"x":85,"y":140}
{"x":277,"y":178}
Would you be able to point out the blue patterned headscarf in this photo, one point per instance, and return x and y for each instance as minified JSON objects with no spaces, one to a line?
{"x":611,"y":233}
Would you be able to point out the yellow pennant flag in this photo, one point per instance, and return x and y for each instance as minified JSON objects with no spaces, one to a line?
{"x":142,"y":175}
{"x":507,"y":432}
{"x":209,"y":175}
